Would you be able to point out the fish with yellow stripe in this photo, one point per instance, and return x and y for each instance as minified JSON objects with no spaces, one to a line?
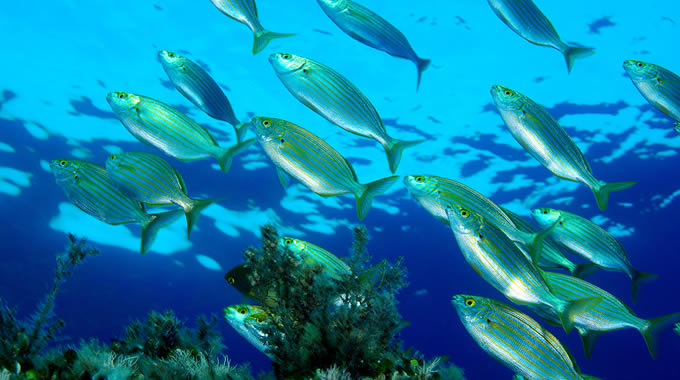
{"x":201,"y":89}
{"x":249,"y":321}
{"x":542,"y":136}
{"x":660,"y":86}
{"x":337,"y":100}
{"x":299,"y":153}
{"x":515,"y":339}
{"x":150,"y":179}
{"x":369,"y":28}
{"x":89,"y":188}
{"x":163,"y":127}
{"x":315,"y":255}
{"x":502,"y":264}
{"x":245,"y":12}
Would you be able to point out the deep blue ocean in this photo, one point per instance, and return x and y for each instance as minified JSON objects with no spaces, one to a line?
{"x":60,"y":59}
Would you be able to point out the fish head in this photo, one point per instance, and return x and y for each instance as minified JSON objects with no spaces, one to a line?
{"x":464,"y":221}
{"x":639,"y":71}
{"x":170,"y":59}
{"x":421,"y":185}
{"x":65,"y":170}
{"x":247,"y":320}
{"x":294,"y":245}
{"x":545,"y":216}
{"x":269,"y":131}
{"x":115,"y":161}
{"x":333,"y":4}
{"x":121,"y":102}
{"x":471,"y":309}
{"x":239,"y":278}
{"x":286,"y":63}
{"x":506,"y":99}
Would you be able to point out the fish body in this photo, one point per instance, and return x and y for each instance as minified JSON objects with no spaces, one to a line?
{"x":245,"y":12}
{"x":590,"y":241}
{"x":525,"y":19}
{"x":249,"y":320}
{"x":332,"y":96}
{"x":313,"y":254}
{"x":163,"y":127}
{"x":514,"y":339}
{"x":542,"y":136}
{"x":660,"y":86}
{"x":150,"y":179}
{"x":310,"y":160}
{"x":369,"y":28}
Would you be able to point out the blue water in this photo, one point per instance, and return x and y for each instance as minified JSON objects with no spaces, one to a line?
{"x":60,"y":60}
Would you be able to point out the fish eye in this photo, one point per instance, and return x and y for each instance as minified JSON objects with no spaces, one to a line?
{"x":171,"y":54}
{"x":282,"y":141}
{"x":259,"y":320}
{"x":286,"y":56}
{"x":289,"y":241}
{"x":121,"y":95}
{"x":639,"y":64}
{"x":231,"y":280}
{"x":507,"y":93}
{"x":63,"y":163}
{"x":112,"y":157}
{"x":470,"y":302}
{"x":266,"y":123}
{"x":75,"y":176}
{"x":243,"y":310}
{"x":481,"y":236}
{"x":464,"y":213}
{"x":545,"y":211}
{"x":419,"y":179}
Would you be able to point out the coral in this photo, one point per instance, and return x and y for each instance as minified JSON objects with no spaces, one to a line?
{"x":332,"y":373}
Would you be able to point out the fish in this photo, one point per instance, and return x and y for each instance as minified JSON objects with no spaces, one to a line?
{"x":332,"y":96}
{"x":435,"y":194}
{"x":239,"y":277}
{"x":315,"y":255}
{"x":542,"y":136}
{"x":249,"y":321}
{"x":503,"y":265}
{"x":660,"y":86}
{"x":147,"y":178}
{"x":525,"y":19}
{"x":608,"y":315}
{"x":299,"y":153}
{"x":369,"y":28}
{"x":201,"y":89}
{"x":89,"y":188}
{"x":515,"y":339}
{"x":157,"y":124}
{"x":591,"y":242}
{"x":245,"y":12}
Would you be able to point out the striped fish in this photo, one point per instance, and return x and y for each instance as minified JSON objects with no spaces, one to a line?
{"x":161,"y":126}
{"x":249,"y":321}
{"x":245,"y":12}
{"x":299,"y":153}
{"x":201,"y":89}
{"x":525,"y":19}
{"x":659,"y":86}
{"x":89,"y":188}
{"x":369,"y":28}
{"x":503,"y":265}
{"x":590,"y":241}
{"x":150,"y":179}
{"x":609,"y":315}
{"x":514,"y":339}
{"x":313,"y":254}
{"x":332,"y":96}
{"x":546,"y":141}
{"x":435,"y":194}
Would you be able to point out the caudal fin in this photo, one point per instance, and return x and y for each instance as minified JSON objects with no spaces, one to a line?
{"x":640,"y":278}
{"x":422,"y":65}
{"x":568,"y":311}
{"x":395,"y":149}
{"x":583,"y":270}
{"x":241,"y":129}
{"x":263,"y":37}
{"x":374,"y":188}
{"x":192,"y":213}
{"x":602,"y":192}
{"x":225,"y":156}
{"x":654,"y":326}
{"x":156,"y":222}
{"x":573,"y":52}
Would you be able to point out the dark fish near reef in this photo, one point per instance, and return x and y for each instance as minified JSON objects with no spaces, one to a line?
{"x":659,"y":86}
{"x":516,"y":340}
{"x":543,"y":137}
{"x":245,"y":12}
{"x":239,"y":277}
{"x":307,"y":158}
{"x":332,"y":96}
{"x":201,"y":89}
{"x":591,"y":242}
{"x":525,"y":19}
{"x":369,"y":28}
{"x":248,"y":320}
{"x":161,"y":126}
{"x":150,"y":179}
{"x":89,"y":188}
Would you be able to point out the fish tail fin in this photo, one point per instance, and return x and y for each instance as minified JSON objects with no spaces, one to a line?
{"x":194,"y":211}
{"x":535,"y":245}
{"x":394,"y":150}
{"x":573,"y":52}
{"x":241,"y":129}
{"x":583,"y":270}
{"x":155,"y":223}
{"x":589,"y":337}
{"x":653,"y":327}
{"x":372,"y":189}
{"x":603,"y":189}
{"x":677,"y":126}
{"x":569,"y":310}
{"x":225,"y":156}
{"x":640,"y":278}
{"x":421,"y":65}
{"x":263,"y":37}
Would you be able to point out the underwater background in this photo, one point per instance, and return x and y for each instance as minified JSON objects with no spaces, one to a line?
{"x":60,"y":59}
